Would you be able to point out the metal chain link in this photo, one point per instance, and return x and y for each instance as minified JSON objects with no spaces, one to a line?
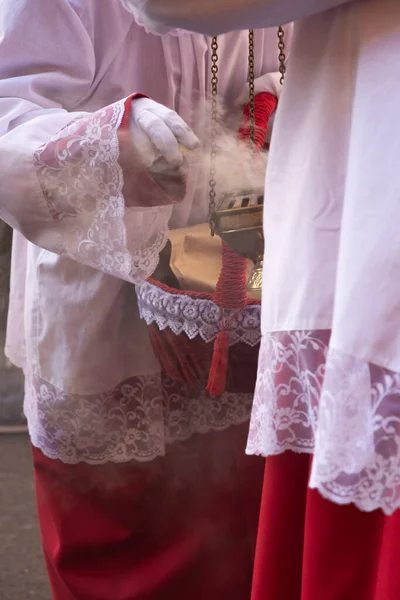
{"x":214,"y":110}
{"x":282,"y":55}
{"x":251,"y":77}
{"x":214,"y":123}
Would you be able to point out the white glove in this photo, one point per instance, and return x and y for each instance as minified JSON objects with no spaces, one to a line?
{"x":157,"y":132}
{"x":270,"y":82}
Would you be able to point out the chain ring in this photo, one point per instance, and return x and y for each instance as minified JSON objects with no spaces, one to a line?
{"x":214,"y":122}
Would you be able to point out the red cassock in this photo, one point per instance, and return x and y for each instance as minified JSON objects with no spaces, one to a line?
{"x":309,"y":548}
{"x":183,"y":526}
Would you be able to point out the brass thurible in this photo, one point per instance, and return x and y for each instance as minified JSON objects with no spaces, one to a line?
{"x":238,"y":220}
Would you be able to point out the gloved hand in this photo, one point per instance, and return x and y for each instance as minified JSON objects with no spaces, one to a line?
{"x":270,"y":82}
{"x":158,"y":132}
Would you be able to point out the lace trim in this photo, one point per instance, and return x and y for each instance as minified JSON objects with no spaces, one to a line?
{"x":82,"y":182}
{"x":345,"y":411}
{"x":197,"y":317}
{"x":135,"y":420}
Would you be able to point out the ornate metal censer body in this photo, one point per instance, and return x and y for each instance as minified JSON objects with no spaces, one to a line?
{"x":238,"y":218}
{"x":239,"y":222}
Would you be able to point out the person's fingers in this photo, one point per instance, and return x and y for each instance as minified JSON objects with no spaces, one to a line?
{"x":146,"y":149}
{"x":181,"y":130}
{"x":161,"y":136}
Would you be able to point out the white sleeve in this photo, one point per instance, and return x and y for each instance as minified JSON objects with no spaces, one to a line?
{"x":220,"y":16}
{"x":61,"y":182}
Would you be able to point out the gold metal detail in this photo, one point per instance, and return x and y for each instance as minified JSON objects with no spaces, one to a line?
{"x":241,"y":226}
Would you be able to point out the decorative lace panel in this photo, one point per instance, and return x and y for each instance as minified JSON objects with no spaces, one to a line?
{"x":195,"y":316}
{"x":82,"y":182}
{"x":345,"y":411}
{"x":289,"y":383}
{"x":135,"y":420}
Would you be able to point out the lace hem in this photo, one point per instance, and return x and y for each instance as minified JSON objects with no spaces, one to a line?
{"x":313,"y":399}
{"x":82,"y":182}
{"x":134,"y":421}
{"x":196,"y":316}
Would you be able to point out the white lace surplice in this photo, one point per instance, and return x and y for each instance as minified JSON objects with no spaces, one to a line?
{"x":136,"y":419}
{"x":197,"y":317}
{"x":343,"y":410}
{"x":82,"y":181}
{"x":329,"y":370}
{"x":94,"y":391}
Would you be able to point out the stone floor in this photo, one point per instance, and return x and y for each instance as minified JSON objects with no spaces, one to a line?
{"x":22,"y":571}
{"x":11,"y":397}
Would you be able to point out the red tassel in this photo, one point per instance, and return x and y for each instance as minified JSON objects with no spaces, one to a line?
{"x":219,"y":365}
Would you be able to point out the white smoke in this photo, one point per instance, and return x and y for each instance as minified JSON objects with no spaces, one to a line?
{"x":238,"y":165}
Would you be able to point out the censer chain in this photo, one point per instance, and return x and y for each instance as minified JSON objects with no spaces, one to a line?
{"x":214,"y":121}
{"x":214,"y":109}
{"x":282,"y":55}
{"x":251,"y":78}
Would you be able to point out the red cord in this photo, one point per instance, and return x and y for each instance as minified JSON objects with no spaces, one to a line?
{"x":175,"y":353}
{"x":230,"y":291}
{"x":264,"y":105}
{"x":231,"y":287}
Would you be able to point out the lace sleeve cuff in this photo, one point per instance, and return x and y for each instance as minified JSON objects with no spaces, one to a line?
{"x":82,"y":180}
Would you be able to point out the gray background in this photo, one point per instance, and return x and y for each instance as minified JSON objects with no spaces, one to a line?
{"x":22,"y":571}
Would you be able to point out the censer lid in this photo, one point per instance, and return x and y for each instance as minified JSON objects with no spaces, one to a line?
{"x":244,"y":198}
{"x":237,"y":216}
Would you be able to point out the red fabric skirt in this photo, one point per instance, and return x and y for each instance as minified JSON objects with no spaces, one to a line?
{"x":181,"y":527}
{"x":311,"y":549}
